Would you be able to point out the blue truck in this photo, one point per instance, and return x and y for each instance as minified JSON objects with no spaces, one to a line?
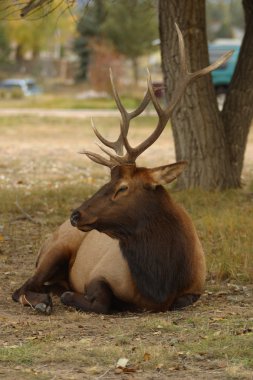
{"x":223,"y":75}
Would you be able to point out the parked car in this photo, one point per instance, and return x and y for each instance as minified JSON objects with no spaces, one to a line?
{"x":20,"y":87}
{"x":222,"y":76}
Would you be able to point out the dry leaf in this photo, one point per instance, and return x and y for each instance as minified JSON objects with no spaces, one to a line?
{"x":159,"y":367}
{"x":146,"y":357}
{"x":122,"y":363}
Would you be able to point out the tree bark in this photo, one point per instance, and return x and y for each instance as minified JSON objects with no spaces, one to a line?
{"x":199,"y":133}
{"x":237,"y":112}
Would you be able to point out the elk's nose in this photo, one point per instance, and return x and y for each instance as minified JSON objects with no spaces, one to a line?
{"x":75,"y":217}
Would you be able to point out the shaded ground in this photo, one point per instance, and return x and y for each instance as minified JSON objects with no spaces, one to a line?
{"x":211,"y":340}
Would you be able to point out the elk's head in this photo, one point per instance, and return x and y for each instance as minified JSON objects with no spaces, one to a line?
{"x":122,"y":204}
{"x":131,"y":190}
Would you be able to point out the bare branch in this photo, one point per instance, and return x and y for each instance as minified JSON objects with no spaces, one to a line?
{"x":32,"y":5}
{"x":25,"y":214}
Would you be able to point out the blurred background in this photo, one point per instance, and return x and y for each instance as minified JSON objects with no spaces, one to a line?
{"x":62,"y":54}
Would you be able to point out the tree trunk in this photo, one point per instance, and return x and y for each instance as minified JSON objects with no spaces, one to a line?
{"x":19,"y":53}
{"x":135,"y":67}
{"x":237,"y":112}
{"x":199,"y":133}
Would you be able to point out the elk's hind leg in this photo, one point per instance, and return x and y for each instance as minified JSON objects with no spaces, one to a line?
{"x":98,"y":298}
{"x":51,"y":267}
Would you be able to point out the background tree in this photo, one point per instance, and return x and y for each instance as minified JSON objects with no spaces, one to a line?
{"x":213,"y":142}
{"x":237,"y":14}
{"x":88,"y":28}
{"x":132,"y":27}
{"x":4,"y":44}
{"x":37,"y":35}
{"x":224,"y":18}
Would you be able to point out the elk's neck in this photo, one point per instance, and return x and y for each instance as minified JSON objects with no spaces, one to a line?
{"x":156,"y":251}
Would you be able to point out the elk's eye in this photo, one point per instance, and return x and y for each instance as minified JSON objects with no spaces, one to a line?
{"x":121,"y":190}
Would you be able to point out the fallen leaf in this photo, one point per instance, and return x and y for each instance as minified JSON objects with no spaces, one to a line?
{"x":159,"y":367}
{"x":157,"y":333}
{"x":122,"y":363}
{"x":175,"y":368}
{"x":146,"y":357}
{"x":129,"y":370}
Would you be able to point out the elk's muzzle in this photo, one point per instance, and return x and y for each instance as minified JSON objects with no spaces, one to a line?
{"x":75,"y":218}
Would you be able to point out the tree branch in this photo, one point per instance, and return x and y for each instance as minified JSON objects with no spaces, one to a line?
{"x":32,"y":5}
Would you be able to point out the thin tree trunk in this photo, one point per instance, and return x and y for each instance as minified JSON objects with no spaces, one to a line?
{"x":19,"y":53}
{"x":197,"y":126}
{"x":237,"y":113}
{"x":135,"y":67}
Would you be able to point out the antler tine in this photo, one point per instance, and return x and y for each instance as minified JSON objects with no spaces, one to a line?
{"x":152,"y":95}
{"x":122,"y":110}
{"x":98,"y":159}
{"x":116,"y":159}
{"x":128,"y":115}
{"x":126,"y":118}
{"x":213,"y":66}
{"x":181,"y":47}
{"x":186,"y":76}
{"x":141,"y":107}
{"x":106,"y":142}
{"x":117,"y":145}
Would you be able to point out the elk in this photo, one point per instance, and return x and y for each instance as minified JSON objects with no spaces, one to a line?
{"x":129,"y":246}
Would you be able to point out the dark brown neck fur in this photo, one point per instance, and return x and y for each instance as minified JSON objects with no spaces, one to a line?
{"x":157,"y":251}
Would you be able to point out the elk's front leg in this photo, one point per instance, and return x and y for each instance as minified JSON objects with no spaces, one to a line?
{"x":98,"y":298}
{"x":51,"y":267}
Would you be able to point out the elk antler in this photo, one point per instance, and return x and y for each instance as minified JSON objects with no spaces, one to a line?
{"x":117,"y":145}
{"x":164,"y":115}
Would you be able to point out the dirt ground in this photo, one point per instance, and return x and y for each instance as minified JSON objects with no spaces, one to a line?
{"x":209,"y":340}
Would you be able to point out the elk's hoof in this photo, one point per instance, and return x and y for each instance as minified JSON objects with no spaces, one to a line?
{"x":15,"y":296}
{"x":43,"y":308}
{"x":66,"y":298}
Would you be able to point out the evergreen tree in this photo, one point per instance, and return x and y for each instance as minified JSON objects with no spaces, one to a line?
{"x":4,"y":45}
{"x":89,"y":26}
{"x":132,"y":26}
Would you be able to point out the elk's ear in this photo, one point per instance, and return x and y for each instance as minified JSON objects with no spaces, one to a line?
{"x":166,"y":174}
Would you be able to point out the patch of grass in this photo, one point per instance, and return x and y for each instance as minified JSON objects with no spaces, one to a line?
{"x":170,"y":341}
{"x":50,"y":206}
{"x":26,"y":353}
{"x":223,"y":221}
{"x":28,"y":127}
{"x":212,"y":339}
{"x":236,"y":349}
{"x":67,"y":102}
